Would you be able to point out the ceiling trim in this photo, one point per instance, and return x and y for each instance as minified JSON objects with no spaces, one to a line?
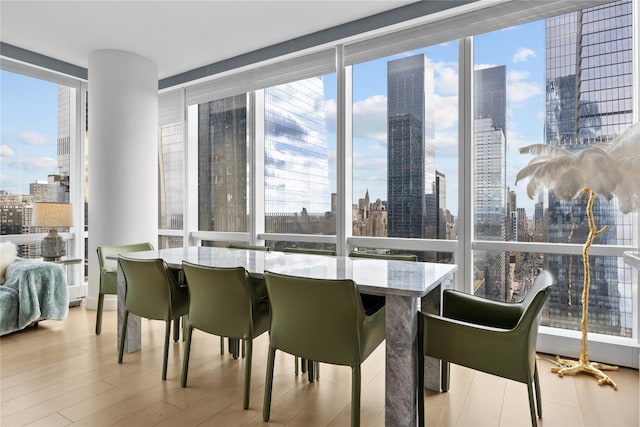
{"x":43,"y":61}
{"x":319,"y":38}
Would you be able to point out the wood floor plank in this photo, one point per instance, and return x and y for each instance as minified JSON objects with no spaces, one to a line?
{"x":62,"y":374}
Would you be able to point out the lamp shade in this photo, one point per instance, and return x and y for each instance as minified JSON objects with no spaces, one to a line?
{"x":52,"y":215}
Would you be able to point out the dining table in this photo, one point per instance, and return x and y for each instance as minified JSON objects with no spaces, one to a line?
{"x":407,"y":286}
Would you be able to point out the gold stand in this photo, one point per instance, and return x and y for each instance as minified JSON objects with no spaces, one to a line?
{"x":584,"y":365}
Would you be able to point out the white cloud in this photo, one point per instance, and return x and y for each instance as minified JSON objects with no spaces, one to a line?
{"x":446,"y":78}
{"x":32,"y":138}
{"x":523,"y":54}
{"x":516,"y":76}
{"x":446,"y":111}
{"x":43,"y":163}
{"x":521,"y":91}
{"x":370,"y":118}
{"x":5,"y":151}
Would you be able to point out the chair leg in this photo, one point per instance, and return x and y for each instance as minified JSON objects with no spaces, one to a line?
{"x":536,"y":384}
{"x":247,"y":372}
{"x":185,"y":360}
{"x":445,"y":376}
{"x":176,"y":330}
{"x":296,"y":359}
{"x":268,"y":385}
{"x":123,"y":333}
{"x":310,"y":371}
{"x":532,"y":405}
{"x":167,"y":334}
{"x":221,"y":346}
{"x":243,"y":349}
{"x":355,"y":396}
{"x":99,"y":314}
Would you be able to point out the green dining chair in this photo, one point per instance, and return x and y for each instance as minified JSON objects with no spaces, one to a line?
{"x":312,"y":369}
{"x":258,"y":285}
{"x":223,"y":302}
{"x":342,"y":333}
{"x":153,"y":293}
{"x":108,"y":273}
{"x":489,"y":336}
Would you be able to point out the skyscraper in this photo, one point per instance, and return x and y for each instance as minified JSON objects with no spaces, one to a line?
{"x":588,"y":102}
{"x":296,"y":149}
{"x":489,"y":176}
{"x":222,"y":164}
{"x":411,"y":149}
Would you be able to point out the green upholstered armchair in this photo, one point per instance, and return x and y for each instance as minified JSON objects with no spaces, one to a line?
{"x":489,"y":336}
{"x":223,"y":302}
{"x":153,"y":293}
{"x":342,"y":333}
{"x":108,"y":273}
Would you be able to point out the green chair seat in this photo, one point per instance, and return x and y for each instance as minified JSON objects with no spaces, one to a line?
{"x":489,"y":336}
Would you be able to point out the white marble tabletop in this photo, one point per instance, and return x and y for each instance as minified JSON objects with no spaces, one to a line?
{"x":375,"y":276}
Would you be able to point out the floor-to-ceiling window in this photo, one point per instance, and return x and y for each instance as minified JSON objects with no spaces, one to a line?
{"x":38,"y":158}
{"x":405,"y":147}
{"x":565,"y":81}
{"x":299,"y":160}
{"x":424,"y":177}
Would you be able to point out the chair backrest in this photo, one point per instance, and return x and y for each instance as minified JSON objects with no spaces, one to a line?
{"x":220,"y":300}
{"x":314,"y":318}
{"x":532,"y":306}
{"x":311,"y":251}
{"x":396,"y":257}
{"x":149,"y":287}
{"x":252,"y":247}
{"x":111,"y":264}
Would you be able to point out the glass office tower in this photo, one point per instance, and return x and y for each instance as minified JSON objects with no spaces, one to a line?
{"x":588,"y":102}
{"x":411,"y":148}
{"x":489,"y":178}
{"x":296,"y":154}
{"x":222,"y":164}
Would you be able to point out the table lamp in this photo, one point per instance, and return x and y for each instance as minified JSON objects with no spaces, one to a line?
{"x":52,"y":215}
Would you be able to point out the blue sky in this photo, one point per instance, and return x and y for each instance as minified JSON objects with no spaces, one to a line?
{"x":521,"y":49}
{"x":29,"y":115}
{"x":29,"y":128}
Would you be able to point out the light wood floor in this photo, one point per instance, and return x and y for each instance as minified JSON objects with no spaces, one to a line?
{"x":61,"y":374}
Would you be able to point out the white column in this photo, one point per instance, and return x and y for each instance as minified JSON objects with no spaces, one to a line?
{"x":123,"y":155}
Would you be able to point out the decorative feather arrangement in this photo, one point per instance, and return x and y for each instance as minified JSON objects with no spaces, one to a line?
{"x":606,"y":169}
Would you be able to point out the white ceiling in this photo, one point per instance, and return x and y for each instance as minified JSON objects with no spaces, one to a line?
{"x":177,"y":36}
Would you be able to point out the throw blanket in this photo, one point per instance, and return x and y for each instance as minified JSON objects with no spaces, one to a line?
{"x":32,"y":290}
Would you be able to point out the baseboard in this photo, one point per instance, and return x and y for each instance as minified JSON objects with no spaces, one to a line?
{"x":602,"y":348}
{"x":110,"y":303}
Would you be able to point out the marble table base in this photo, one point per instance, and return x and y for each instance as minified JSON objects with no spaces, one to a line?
{"x":401,"y":379}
